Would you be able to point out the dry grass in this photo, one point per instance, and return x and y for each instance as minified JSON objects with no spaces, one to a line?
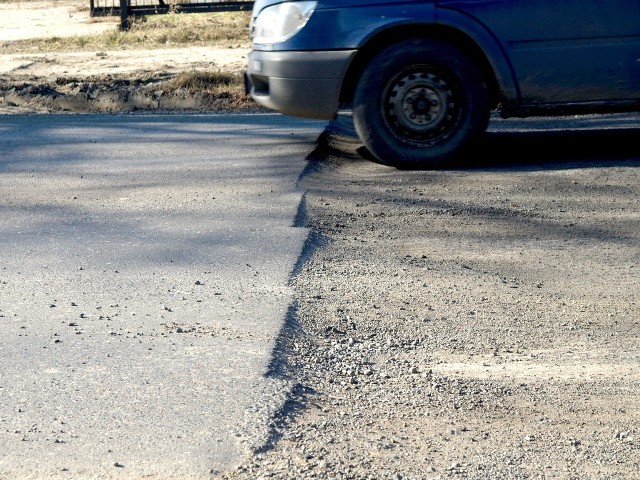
{"x":221,"y":29}
{"x":200,"y":81}
{"x":223,"y":86}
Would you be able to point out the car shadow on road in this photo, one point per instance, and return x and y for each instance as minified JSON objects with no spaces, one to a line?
{"x":586,"y":148}
{"x":530,"y":144}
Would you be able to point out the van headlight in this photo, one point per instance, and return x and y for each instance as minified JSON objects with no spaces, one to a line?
{"x":282,"y":21}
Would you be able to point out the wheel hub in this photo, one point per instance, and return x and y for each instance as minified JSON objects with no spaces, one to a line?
{"x":419,"y":105}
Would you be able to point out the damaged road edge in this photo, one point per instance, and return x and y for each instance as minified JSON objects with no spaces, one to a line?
{"x":292,"y":340}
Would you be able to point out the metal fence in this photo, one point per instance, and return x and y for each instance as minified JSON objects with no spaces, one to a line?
{"x":127,"y":8}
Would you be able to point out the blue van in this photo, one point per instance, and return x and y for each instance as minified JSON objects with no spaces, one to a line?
{"x":422,"y":76}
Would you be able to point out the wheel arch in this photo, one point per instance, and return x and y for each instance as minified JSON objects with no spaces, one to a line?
{"x":498,"y":90}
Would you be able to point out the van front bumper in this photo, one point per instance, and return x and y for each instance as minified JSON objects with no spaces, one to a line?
{"x":301,"y":84}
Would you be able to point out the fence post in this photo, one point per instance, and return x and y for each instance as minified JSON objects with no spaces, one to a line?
{"x":124,"y":15}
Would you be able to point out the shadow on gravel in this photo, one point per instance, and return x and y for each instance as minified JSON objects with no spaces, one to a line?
{"x":293,"y":340}
{"x":290,"y":340}
{"x":530,"y":144}
{"x":557,"y":149}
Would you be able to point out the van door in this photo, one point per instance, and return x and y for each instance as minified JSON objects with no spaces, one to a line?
{"x":565,"y":50}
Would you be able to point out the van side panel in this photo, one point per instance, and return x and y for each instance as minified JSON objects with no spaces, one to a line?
{"x":490,"y":46}
{"x":593,"y":54}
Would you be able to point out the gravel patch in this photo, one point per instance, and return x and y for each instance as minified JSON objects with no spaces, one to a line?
{"x":471,"y":323}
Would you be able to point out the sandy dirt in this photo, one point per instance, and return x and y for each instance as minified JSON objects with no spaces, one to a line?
{"x":50,"y":66}
{"x":57,"y":18}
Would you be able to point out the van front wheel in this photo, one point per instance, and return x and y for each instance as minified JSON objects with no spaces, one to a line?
{"x":419,"y":103}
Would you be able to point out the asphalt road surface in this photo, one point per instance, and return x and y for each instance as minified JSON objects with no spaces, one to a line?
{"x":144,"y":279}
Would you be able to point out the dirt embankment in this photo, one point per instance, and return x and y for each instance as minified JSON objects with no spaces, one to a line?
{"x":92,"y":94}
{"x":204,"y":79}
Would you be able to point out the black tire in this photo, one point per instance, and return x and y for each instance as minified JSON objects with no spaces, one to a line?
{"x":419,"y":103}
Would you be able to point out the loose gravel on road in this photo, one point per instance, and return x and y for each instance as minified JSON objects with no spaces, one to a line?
{"x":472,"y":323}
